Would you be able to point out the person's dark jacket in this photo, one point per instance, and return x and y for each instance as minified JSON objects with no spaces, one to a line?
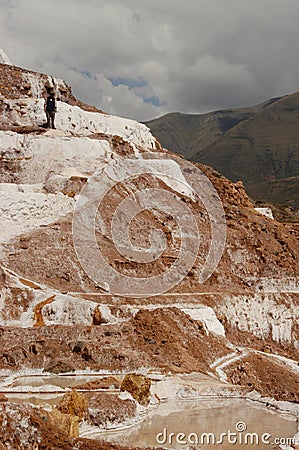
{"x":51,"y":104}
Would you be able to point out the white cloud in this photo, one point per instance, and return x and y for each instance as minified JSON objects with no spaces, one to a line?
{"x":193,"y":56}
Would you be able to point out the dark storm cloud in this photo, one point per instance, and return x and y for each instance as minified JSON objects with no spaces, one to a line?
{"x":189,"y":56}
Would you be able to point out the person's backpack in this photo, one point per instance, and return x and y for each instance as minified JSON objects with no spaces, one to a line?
{"x":51,"y":104}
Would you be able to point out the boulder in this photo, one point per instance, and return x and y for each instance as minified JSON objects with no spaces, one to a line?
{"x":67,"y":423}
{"x":138,"y":386}
{"x":74,"y":404}
{"x":79,"y":347}
{"x":97,"y":316}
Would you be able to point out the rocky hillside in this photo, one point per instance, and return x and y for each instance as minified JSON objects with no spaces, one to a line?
{"x":257,"y":145}
{"x":84,"y":308}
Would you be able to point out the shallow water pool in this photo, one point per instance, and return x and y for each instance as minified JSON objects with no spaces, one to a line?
{"x":224,"y":424}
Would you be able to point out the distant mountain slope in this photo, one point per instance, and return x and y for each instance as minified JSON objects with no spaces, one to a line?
{"x":277,"y":189}
{"x":184,"y":133}
{"x":257,"y":145}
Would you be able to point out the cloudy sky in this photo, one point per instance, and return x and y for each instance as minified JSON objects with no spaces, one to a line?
{"x":144,"y":58}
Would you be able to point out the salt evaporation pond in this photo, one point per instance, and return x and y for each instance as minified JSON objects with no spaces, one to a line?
{"x":195,"y":419}
{"x":202,"y":423}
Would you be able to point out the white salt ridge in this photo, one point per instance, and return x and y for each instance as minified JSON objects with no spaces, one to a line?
{"x":207,"y":315}
{"x":24,"y":211}
{"x":65,"y":310}
{"x":293,"y":365}
{"x":263,"y":316}
{"x":43,"y":156}
{"x":219,"y":361}
{"x":74,"y":119}
{"x":225,"y":361}
{"x":170,"y":173}
{"x":4,"y":59}
{"x":267,"y":212}
{"x":184,"y":388}
{"x":48,"y":156}
{"x":283,"y":406}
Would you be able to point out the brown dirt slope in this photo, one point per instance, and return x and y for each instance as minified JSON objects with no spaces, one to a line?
{"x":164,"y":338}
{"x":266,"y":375}
{"x":256,"y":247}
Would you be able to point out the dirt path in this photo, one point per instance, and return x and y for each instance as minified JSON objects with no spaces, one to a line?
{"x":219,"y":364}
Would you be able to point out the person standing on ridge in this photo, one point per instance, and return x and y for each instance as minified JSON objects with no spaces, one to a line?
{"x":50,"y":110}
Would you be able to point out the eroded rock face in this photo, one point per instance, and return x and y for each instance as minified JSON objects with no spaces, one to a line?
{"x":17,"y":83}
{"x":138,"y":386}
{"x":2,"y":278}
{"x":97,"y":318}
{"x":271,"y":317}
{"x":16,"y":427}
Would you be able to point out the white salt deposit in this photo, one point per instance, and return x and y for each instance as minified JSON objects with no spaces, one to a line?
{"x":40,"y":157}
{"x":207,"y":315}
{"x":30,"y":111}
{"x":68,"y":311}
{"x":265,"y":212}
{"x":24,"y":210}
{"x":4,"y":59}
{"x":263,"y":315}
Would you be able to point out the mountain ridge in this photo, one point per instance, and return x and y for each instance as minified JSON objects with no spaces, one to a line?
{"x":255,"y":144}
